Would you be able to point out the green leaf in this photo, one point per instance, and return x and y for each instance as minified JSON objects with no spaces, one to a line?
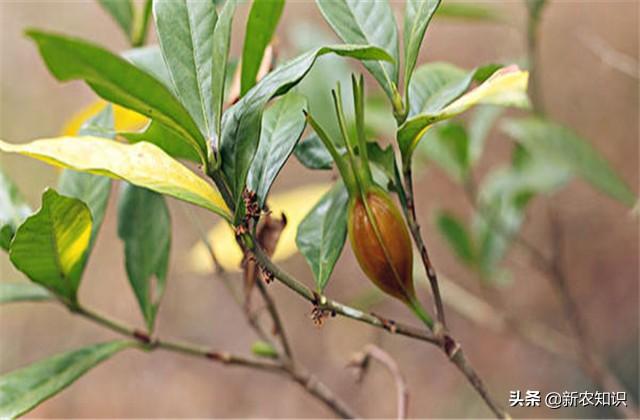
{"x":506,"y":87}
{"x":261,"y":25}
{"x":142,"y":164}
{"x":384,"y":159}
{"x":430,"y":79}
{"x":122,"y":13}
{"x":503,"y":198}
{"x":221,"y":43}
{"x":166,"y":139}
{"x":25,"y":388}
{"x":312,"y":153}
{"x":418,"y":14}
{"x":367,"y":22}
{"x":566,"y":150}
{"x":264,"y":349}
{"x":116,"y":80}
{"x":469,"y":11}
{"x":50,"y":247}
{"x":22,"y":292}
{"x":322,"y":233}
{"x":282,"y":127}
{"x":457,"y":236}
{"x":93,"y":190}
{"x":448,"y":146}
{"x":13,"y":209}
{"x":144,"y":225}
{"x":185,"y":31}
{"x":150,"y":59}
{"x":241,"y":122}
{"x":480,"y":126}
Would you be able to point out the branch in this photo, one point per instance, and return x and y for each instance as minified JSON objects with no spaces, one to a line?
{"x":361,"y":361}
{"x":333,"y":307}
{"x":414,"y":227}
{"x":444,"y":341}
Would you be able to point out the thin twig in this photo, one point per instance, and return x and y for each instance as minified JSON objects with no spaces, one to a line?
{"x":444,"y":341}
{"x":361,"y":361}
{"x":332,"y":306}
{"x":275,"y":317}
{"x":309,"y":382}
{"x":414,"y":227}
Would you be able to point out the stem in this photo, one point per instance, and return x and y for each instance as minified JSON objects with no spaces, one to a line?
{"x":310,"y":383}
{"x":414,"y":228}
{"x":371,"y":351}
{"x":339,"y":308}
{"x":277,"y":321}
{"x":341,"y":164}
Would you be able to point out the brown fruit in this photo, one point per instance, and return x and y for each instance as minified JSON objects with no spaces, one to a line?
{"x":385,"y":256}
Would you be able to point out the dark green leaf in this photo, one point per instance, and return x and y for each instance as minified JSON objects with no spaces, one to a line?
{"x":448,"y":146}
{"x":241,"y":123}
{"x":312,"y":153}
{"x":23,"y":389}
{"x":144,"y":225}
{"x":282,"y":127}
{"x":13,"y":209}
{"x":118,"y":81}
{"x":261,"y":25}
{"x":185,"y":31}
{"x":566,"y":150}
{"x":469,"y":11}
{"x":50,"y":247}
{"x":22,"y":292}
{"x":418,"y":14}
{"x":93,"y":190}
{"x":367,"y":22}
{"x":457,"y":236}
{"x":221,"y":43}
{"x":384,"y":159}
{"x":122,"y":13}
{"x":322,"y":233}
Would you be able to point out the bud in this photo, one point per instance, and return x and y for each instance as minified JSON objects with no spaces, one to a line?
{"x":385,"y":256}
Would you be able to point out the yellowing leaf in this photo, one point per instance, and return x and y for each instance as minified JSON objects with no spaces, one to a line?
{"x":506,"y":87}
{"x":142,"y":164}
{"x":295,"y":203}
{"x":124,"y":119}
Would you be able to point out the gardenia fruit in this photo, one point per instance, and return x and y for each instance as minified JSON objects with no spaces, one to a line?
{"x":382,"y":246}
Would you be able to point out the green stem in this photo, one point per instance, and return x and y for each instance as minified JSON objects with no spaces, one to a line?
{"x":358,"y":101}
{"x":345,"y":172}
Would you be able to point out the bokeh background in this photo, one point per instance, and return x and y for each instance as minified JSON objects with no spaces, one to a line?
{"x":601,"y":242}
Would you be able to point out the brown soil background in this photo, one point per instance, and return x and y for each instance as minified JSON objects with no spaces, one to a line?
{"x":601,"y":253}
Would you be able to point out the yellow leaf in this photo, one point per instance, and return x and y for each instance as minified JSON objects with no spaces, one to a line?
{"x":142,"y":164}
{"x":295,"y":203}
{"x":505,"y":87}
{"x":123,"y":118}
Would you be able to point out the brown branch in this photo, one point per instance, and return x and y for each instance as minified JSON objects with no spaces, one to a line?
{"x":360,"y":361}
{"x":309,"y":382}
{"x":414,"y":227}
{"x":444,"y":341}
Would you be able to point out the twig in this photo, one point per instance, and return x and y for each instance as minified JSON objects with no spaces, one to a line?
{"x":275,"y":317}
{"x":361,"y":362}
{"x":414,"y":227}
{"x":309,"y":382}
{"x":444,"y":340}
{"x":332,"y":306}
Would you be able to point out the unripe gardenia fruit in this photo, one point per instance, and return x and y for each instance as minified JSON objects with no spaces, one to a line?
{"x":385,"y":256}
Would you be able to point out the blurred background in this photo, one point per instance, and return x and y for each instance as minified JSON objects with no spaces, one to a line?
{"x":580,"y":89}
